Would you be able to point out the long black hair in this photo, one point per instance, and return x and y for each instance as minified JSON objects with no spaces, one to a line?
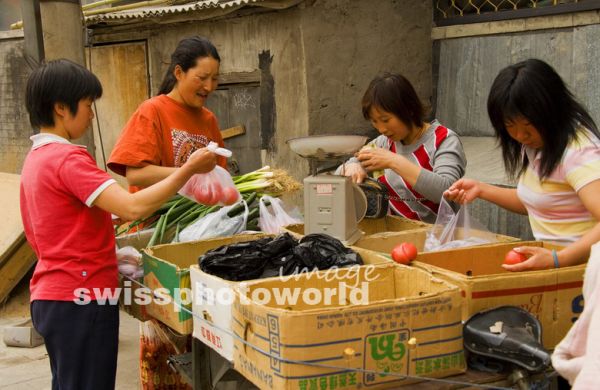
{"x":533,"y":90}
{"x":394,"y":93}
{"x":186,"y":54}
{"x":58,"y":81}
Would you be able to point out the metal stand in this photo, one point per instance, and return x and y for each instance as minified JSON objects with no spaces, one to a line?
{"x":213,"y":372}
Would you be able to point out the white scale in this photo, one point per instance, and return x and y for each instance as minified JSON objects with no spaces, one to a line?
{"x":333,"y":204}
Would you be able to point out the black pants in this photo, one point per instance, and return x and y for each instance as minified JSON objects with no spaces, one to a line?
{"x":82,"y":343}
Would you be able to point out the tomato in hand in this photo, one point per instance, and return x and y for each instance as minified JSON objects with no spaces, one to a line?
{"x":404,"y":253}
{"x":514,"y":257}
{"x":202,"y":194}
{"x":216,"y":194}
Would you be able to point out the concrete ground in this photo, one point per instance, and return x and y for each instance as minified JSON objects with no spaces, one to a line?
{"x":29,"y":368}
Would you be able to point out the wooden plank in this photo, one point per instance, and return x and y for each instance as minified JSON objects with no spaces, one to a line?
{"x":233,"y":131}
{"x":15,"y":268}
{"x":239,"y":77}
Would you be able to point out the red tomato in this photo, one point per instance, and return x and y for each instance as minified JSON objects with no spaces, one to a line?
{"x":404,"y":253}
{"x":230,"y":195}
{"x":216,"y":193}
{"x":202,"y":194}
{"x":513,"y":257}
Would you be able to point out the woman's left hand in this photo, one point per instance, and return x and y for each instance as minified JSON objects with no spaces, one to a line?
{"x":376,"y":159}
{"x":538,"y":258}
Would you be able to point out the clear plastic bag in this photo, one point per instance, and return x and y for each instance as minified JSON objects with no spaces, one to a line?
{"x":271,"y":221}
{"x":456,"y":230}
{"x":216,"y":224}
{"x":129,"y":261}
{"x":213,"y":188}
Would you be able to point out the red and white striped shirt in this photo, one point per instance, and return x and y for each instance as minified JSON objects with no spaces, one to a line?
{"x":440,"y":153}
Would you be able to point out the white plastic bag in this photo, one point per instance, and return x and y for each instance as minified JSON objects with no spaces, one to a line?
{"x":217,"y":224}
{"x":456,"y":229}
{"x":271,"y":221}
{"x":213,"y":188}
{"x":129,"y":262}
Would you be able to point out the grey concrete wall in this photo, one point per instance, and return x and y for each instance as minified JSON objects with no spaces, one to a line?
{"x":14,"y":121}
{"x":347,"y":43}
{"x":468,"y":66}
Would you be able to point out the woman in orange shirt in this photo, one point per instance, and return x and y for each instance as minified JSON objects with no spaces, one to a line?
{"x":167,"y":128}
{"x":159,"y":137}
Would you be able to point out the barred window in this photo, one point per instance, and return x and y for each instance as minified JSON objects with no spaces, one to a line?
{"x":449,"y":12}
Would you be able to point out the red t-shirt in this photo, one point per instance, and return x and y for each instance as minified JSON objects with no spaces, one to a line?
{"x":164,"y":132}
{"x":73,"y":240}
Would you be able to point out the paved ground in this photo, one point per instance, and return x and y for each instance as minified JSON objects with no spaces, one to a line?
{"x":29,"y":368}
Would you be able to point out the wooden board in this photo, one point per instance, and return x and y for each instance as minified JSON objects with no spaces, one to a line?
{"x":11,"y":234}
{"x":16,"y":256}
{"x":233,"y":131}
{"x":13,"y":269}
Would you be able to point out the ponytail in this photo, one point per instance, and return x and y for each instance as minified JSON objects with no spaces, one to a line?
{"x":168,"y":82}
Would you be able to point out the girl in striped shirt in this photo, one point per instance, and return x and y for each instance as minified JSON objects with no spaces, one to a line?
{"x":551,"y":143}
{"x":419,"y":160}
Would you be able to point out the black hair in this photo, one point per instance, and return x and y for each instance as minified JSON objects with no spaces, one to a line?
{"x":58,"y":81}
{"x":394,"y":93}
{"x":533,"y":90}
{"x":186,"y":54}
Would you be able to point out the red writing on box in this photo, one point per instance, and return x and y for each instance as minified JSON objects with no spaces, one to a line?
{"x":212,"y":338}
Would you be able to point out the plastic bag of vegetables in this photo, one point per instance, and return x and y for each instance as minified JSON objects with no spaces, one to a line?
{"x":218,"y":224}
{"x":212,"y":188}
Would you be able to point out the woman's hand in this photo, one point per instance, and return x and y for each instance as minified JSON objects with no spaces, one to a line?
{"x":355,"y":171}
{"x":539,"y":258}
{"x":377,"y":159}
{"x":463,"y":191}
{"x":202,"y":161}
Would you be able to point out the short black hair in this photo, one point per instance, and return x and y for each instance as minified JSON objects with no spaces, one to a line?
{"x":532,"y":89}
{"x":58,"y":81}
{"x":394,"y":93}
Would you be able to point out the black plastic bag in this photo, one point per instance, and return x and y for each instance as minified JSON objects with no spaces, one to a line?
{"x":246,"y":260}
{"x":281,"y":255}
{"x":323,"y":252}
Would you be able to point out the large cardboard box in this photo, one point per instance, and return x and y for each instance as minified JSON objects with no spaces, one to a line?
{"x":212,"y":303}
{"x":407,"y":323}
{"x":386,"y":241}
{"x":554,"y":296}
{"x":370,"y":226}
{"x":167,"y":274}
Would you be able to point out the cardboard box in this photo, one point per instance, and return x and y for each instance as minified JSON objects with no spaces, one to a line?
{"x":554,"y":296}
{"x":206,"y":290}
{"x":410,"y":325}
{"x":139,"y":240}
{"x":22,"y":336}
{"x":167,"y":267}
{"x":386,"y":241}
{"x":370,"y":226}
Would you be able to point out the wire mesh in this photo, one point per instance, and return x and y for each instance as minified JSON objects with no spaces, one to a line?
{"x":445,"y":9}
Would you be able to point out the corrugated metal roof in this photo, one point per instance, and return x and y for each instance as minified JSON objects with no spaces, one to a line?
{"x":212,"y":8}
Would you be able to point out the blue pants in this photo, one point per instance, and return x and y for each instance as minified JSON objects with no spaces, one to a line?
{"x":82,"y":343}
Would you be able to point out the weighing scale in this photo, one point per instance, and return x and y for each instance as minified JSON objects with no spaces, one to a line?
{"x":333,"y":204}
